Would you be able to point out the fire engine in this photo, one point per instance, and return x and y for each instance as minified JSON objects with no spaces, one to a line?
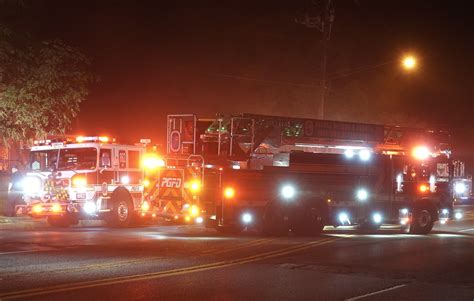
{"x":284,"y":174}
{"x":85,"y":178}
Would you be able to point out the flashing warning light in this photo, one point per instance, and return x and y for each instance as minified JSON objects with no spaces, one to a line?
{"x":229,"y":192}
{"x":377,"y":218}
{"x":421,"y":153}
{"x":344,"y":218}
{"x":125,"y":180}
{"x":79,"y":182}
{"x":460,"y":188}
{"x":103,"y":139}
{"x":288,"y":191}
{"x":194,"y":210}
{"x":152,"y":161}
{"x":362,"y":194}
{"x":349,"y":153}
{"x":423,"y":188}
{"x":146,"y":182}
{"x":195,"y":186}
{"x":56,"y":208}
{"x":187,"y":218}
{"x":145,"y":206}
{"x":37,"y":209}
{"x":247,"y":218}
{"x":365,"y":154}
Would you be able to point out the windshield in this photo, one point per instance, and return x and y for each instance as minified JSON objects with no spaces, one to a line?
{"x":71,"y":158}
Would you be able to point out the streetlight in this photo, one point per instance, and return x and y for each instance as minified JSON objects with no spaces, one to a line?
{"x":409,"y":62}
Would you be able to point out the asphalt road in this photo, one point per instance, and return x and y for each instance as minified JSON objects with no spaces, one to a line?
{"x":193,"y":263}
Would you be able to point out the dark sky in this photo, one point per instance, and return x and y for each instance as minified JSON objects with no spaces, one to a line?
{"x":204,"y":57}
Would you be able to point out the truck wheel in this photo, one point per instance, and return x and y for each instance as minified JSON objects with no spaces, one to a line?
{"x":309,"y":222}
{"x":59,"y":221}
{"x":369,"y":226}
{"x":275,"y":222}
{"x":422,"y":221}
{"x":122,"y":211}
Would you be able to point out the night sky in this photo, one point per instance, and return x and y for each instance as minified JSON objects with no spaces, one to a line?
{"x":204,"y":57}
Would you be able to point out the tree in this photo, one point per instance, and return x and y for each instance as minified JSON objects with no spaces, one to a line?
{"x":42,"y":84}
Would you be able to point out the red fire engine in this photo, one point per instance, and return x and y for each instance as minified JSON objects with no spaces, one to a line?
{"x":292,"y":174}
{"x":84,"y":178}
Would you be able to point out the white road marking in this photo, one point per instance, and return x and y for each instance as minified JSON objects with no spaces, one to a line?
{"x":26,"y":251}
{"x":377,"y":292}
{"x":466,"y":230}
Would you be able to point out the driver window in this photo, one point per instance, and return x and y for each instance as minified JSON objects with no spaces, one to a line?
{"x":105,"y":158}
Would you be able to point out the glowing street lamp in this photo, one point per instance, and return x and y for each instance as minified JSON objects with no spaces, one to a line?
{"x":409,"y":62}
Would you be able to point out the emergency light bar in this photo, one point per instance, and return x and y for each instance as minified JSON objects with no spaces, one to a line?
{"x":103,"y":139}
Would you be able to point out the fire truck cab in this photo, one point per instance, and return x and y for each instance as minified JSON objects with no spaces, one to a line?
{"x":85,"y":178}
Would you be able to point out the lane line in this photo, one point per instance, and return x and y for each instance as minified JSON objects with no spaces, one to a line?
{"x":96,"y":266}
{"x":220,"y":251}
{"x":377,"y":292}
{"x":26,"y":251}
{"x":466,"y":230}
{"x":162,"y":274}
{"x":252,"y":242}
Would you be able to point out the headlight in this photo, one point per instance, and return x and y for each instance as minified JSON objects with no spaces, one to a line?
{"x":32,"y":185}
{"x":460,"y":188}
{"x":247,"y":218}
{"x":362,"y":194}
{"x":288,"y":191}
{"x":365,"y":154}
{"x":90,"y":207}
{"x":343,"y":218}
{"x":377,"y":218}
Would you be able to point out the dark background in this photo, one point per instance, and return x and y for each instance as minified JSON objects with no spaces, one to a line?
{"x":204,"y":57}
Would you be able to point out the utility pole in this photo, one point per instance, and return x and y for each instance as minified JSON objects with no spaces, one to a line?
{"x":322,"y":21}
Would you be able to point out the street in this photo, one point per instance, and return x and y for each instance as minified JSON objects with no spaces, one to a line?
{"x":191,"y":262}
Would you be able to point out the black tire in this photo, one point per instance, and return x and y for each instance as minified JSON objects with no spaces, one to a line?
{"x":121,"y":214}
{"x":57,"y":221}
{"x":422,"y":221}
{"x":369,"y":226}
{"x":275,"y":222}
{"x":309,"y":221}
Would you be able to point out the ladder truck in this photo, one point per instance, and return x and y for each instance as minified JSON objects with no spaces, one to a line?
{"x":283,"y":174}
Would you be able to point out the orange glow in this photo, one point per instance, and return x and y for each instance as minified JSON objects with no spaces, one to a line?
{"x":421,"y":153}
{"x":187,"y":218}
{"x":80,"y":139}
{"x":195,"y":186}
{"x":37,"y":209}
{"x":424,"y":188}
{"x":79,"y":182}
{"x":146,"y":183}
{"x":229,"y":193}
{"x":104,"y":139}
{"x":152,"y":161}
{"x":56,"y":208}
{"x":145,"y":206}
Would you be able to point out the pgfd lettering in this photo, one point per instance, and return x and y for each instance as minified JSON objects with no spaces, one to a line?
{"x":171,"y":182}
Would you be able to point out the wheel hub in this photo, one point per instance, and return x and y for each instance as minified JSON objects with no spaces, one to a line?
{"x":122,"y":211}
